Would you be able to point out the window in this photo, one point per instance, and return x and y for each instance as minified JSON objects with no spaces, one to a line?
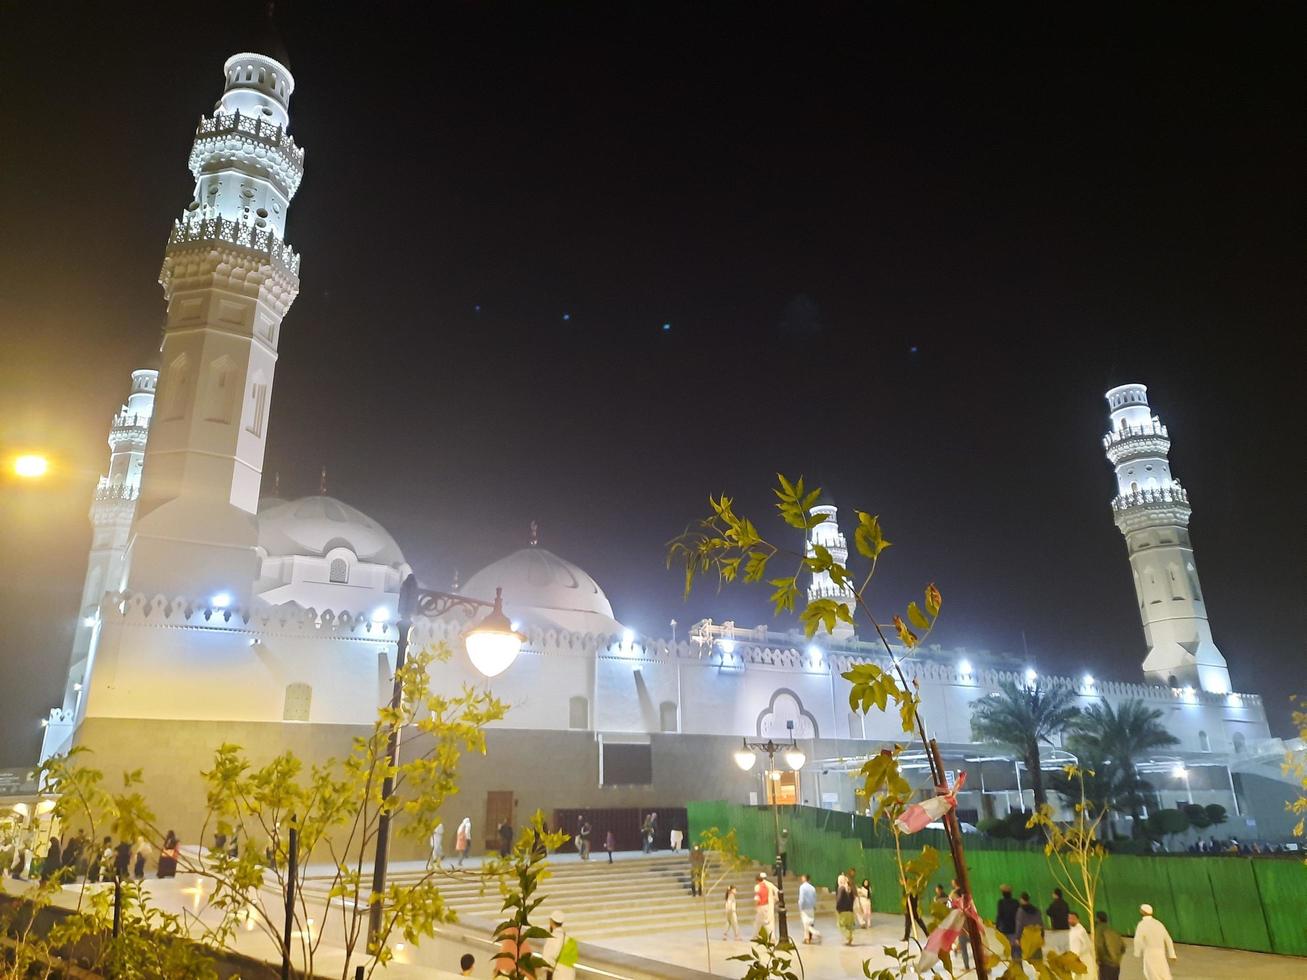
{"x":668,"y":717}
{"x":177,"y":389}
{"x":1204,"y":743}
{"x":1173,"y":573}
{"x":578,"y":713}
{"x":218,"y":397}
{"x":339,"y":570}
{"x":1239,"y":741}
{"x":855,"y":725}
{"x":298,"y":699}
{"x":258,"y":407}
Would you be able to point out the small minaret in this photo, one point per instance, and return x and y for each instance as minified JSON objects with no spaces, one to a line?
{"x":229,"y":277}
{"x":828,"y":535}
{"x":111,"y":515}
{"x":1152,"y":512}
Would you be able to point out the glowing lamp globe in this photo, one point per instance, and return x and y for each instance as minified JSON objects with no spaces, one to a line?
{"x":745,"y":759}
{"x":31,"y":466}
{"x":492,"y":644}
{"x":794,"y":758}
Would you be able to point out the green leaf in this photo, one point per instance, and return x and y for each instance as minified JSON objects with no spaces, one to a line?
{"x":917,"y":617}
{"x":756,"y":566}
{"x":867,"y":537}
{"x":933,"y":600}
{"x":906,"y":636}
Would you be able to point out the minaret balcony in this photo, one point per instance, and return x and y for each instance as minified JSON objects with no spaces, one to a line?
{"x":229,"y":137}
{"x":129,"y":431}
{"x":1152,"y":506}
{"x":239,"y":233}
{"x":1137,"y":441}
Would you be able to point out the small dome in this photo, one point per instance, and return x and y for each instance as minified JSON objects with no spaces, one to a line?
{"x":542,"y":589}
{"x":315,"y":525}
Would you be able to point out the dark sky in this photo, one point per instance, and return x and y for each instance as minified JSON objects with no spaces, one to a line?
{"x":902,"y":250}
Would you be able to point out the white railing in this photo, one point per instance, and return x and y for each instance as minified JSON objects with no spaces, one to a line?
{"x":1153,"y":428}
{"x":222,"y":123}
{"x":1172,"y":495}
{"x":244,"y":234}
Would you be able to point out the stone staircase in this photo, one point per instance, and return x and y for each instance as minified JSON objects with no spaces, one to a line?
{"x":632,"y":896}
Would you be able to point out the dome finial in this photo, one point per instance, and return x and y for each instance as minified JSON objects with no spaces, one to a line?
{"x":276,"y":483}
{"x":453,"y":586}
{"x":535,"y":534}
{"x":322,"y":482}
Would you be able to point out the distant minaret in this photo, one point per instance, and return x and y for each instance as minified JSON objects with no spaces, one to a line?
{"x":229,"y":277}
{"x":1152,"y":511}
{"x":828,"y":535}
{"x":111,"y":515}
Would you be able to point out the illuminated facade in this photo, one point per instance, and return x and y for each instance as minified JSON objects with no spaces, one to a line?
{"x":1152,"y":511}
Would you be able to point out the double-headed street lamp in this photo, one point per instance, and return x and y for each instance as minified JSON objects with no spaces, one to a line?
{"x":492,"y":646}
{"x":746,"y":758}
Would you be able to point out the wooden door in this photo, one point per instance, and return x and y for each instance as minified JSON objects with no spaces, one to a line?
{"x":499,"y":806}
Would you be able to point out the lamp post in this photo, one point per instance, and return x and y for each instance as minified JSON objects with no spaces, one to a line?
{"x":746,"y":758}
{"x":492,"y":646}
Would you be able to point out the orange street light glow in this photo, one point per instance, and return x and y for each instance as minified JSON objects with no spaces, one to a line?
{"x":31,"y":466}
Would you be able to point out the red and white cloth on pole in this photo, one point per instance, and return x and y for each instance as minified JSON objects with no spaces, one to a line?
{"x":942,"y":939}
{"x":920,"y":815}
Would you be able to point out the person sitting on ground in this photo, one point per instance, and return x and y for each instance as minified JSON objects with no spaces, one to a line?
{"x":466,"y":964}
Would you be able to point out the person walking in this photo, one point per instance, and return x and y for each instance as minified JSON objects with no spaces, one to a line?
{"x":677,"y":836}
{"x":808,"y":910}
{"x":583,"y":839}
{"x":762,"y":905}
{"x":559,"y":952}
{"x":646,"y":833}
{"x":1056,"y":938}
{"x":463,"y":840}
{"x":168,"y":856}
{"x":122,"y":860}
{"x":732,"y":918}
{"x":862,"y":904}
{"x":1005,"y":916}
{"x":1028,"y":917}
{"x":1109,"y":948}
{"x":844,"y":908}
{"x":437,"y":846}
{"x":610,"y":845}
{"x":697,"y":861}
{"x":54,"y":860}
{"x":911,"y":915}
{"x":963,"y":944}
{"x":1153,"y":945}
{"x":505,"y":837}
{"x":1078,"y":942}
{"x":143,"y":852}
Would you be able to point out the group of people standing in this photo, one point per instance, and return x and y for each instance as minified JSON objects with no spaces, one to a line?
{"x":462,"y":842}
{"x":1066,"y":934}
{"x":80,"y":857}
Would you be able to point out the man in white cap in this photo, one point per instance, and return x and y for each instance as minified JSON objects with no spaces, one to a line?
{"x":1153,"y":945}
{"x":560,"y":951}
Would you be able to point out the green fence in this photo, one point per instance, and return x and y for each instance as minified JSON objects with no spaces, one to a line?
{"x":1239,"y":903}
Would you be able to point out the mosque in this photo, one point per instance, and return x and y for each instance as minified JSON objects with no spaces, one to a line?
{"x":211,"y":614}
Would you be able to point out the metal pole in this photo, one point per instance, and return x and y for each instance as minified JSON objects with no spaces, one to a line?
{"x":954,"y":829}
{"x":407,"y":599}
{"x":292,"y":869}
{"x":1233,"y":795}
{"x":782,"y":926}
{"x":117,"y":905}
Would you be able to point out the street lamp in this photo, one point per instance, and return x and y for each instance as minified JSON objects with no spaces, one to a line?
{"x":492,"y":646}
{"x":746,"y":757}
{"x":31,"y":466}
{"x":1181,"y":772}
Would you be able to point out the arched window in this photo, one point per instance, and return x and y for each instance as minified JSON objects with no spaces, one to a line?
{"x":258,"y":404}
{"x":668,"y":717}
{"x":1239,"y":741}
{"x":1173,"y":573}
{"x":1204,"y":743}
{"x":218,"y":398}
{"x":578,"y":713}
{"x":855,"y":725}
{"x":177,"y":389}
{"x":339,"y":571}
{"x":1192,"y":574}
{"x":298,"y":699}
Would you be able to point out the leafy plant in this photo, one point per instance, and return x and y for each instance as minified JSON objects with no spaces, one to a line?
{"x":721,"y":857}
{"x":769,"y":959}
{"x":528,"y":867}
{"x":1164,"y":823}
{"x":1295,"y":767}
{"x":1023,"y":718}
{"x":1119,"y":736}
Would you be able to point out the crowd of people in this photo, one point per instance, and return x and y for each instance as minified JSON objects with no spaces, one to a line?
{"x":80,"y":858}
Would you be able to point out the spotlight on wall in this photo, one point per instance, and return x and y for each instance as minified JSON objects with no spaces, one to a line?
{"x":964,"y":668}
{"x":1088,"y":680}
{"x":221,"y":601}
{"x":727,"y":646}
{"x":381,"y":615}
{"x":1180,"y":772}
{"x":1031,"y":676}
{"x":628,"y":637}
{"x":88,"y":621}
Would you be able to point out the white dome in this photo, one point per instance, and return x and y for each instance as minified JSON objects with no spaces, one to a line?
{"x":315,"y":525}
{"x":542,"y":589}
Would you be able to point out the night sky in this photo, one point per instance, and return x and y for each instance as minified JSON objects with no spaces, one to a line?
{"x":901,"y":251}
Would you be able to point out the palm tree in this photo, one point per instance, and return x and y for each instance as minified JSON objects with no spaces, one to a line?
{"x":1020,"y":718}
{"x":1120,"y":736}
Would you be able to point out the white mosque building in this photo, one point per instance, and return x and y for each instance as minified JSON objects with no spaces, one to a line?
{"x":210,"y":615}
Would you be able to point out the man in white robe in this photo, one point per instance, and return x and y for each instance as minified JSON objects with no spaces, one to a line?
{"x":1078,"y":942}
{"x":1153,"y":945}
{"x":437,"y":846}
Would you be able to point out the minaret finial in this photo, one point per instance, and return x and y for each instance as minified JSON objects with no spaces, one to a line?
{"x":322,"y":482}
{"x":454,"y":586}
{"x":535,"y":534}
{"x":276,"y":483}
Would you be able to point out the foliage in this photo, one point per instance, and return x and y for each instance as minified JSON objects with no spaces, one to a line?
{"x":1021,"y":718}
{"x":1047,"y":965}
{"x":1073,"y":850}
{"x":1196,"y":814}
{"x":517,"y":960}
{"x":1216,"y":814}
{"x":1118,"y":736}
{"x":1295,"y":767}
{"x":995,"y":827}
{"x":1163,"y":823}
{"x":768,"y":958}
{"x":721,"y":857}
{"x":335,"y":809}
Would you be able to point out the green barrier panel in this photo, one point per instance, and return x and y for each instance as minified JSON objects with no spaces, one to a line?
{"x":1238,"y":903}
{"x":1283,"y":886}
{"x":1131,"y":881}
{"x":1197,"y":919}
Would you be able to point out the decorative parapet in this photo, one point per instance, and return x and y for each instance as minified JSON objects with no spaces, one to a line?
{"x":1169,"y":496}
{"x":105,"y":490}
{"x":1133,"y":441}
{"x":129,"y":430}
{"x":287,"y":619}
{"x":229,"y":136}
{"x":1152,"y":507}
{"x":243,"y":234}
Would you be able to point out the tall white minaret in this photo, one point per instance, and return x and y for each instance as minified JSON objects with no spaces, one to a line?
{"x":1152,"y":511}
{"x":229,"y":278}
{"x":111,"y":515}
{"x":828,"y":535}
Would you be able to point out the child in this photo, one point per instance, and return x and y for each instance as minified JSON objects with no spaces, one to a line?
{"x":732,"y":920}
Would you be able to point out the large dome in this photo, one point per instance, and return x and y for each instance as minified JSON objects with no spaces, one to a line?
{"x":315,"y":525}
{"x":542,"y":589}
